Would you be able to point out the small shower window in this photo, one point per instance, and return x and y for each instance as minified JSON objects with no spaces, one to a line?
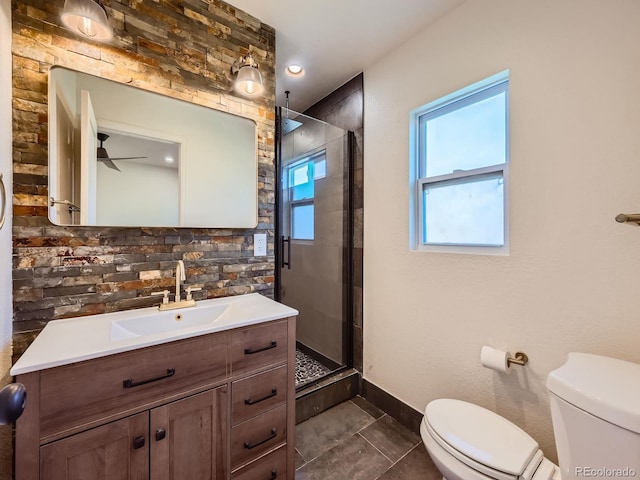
{"x":302,"y":219}
{"x":301,"y":177}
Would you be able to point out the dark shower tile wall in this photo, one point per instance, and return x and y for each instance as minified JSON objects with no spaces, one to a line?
{"x":344,"y":108}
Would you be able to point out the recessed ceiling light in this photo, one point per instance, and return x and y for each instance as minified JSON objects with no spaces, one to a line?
{"x":294,"y":70}
{"x":168,"y":159}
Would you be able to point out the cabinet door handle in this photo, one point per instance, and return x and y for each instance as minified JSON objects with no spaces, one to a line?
{"x":138,"y":442}
{"x":250,"y":446}
{"x":248,"y":401}
{"x":251,"y":351}
{"x":129,"y":383}
{"x":274,"y":474}
{"x":161,"y":433}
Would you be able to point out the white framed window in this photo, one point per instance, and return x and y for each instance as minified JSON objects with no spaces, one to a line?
{"x":301,"y":176}
{"x":459,"y":169}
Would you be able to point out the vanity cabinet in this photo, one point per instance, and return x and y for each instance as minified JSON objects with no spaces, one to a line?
{"x":187,"y":437}
{"x":218,"y":406}
{"x":102,"y":452}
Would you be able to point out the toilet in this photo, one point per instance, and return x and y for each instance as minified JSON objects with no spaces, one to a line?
{"x":595,"y":409}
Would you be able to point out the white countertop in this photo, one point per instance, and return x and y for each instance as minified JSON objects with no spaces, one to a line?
{"x":83,"y":338}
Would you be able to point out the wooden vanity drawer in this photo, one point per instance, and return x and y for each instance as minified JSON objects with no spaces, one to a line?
{"x":256,"y":394}
{"x":270,"y":467}
{"x":96,"y":390}
{"x":254,"y":437}
{"x":258,"y":347}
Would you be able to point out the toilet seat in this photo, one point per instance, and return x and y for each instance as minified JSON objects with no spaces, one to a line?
{"x":482,"y":440}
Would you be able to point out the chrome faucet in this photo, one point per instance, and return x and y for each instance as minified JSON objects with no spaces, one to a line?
{"x":180,"y":276}
{"x":178,"y":303}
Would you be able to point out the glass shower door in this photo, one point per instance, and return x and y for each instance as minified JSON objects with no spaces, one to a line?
{"x":314,"y":240}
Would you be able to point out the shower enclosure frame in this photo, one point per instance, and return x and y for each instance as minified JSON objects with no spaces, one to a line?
{"x":348,"y":313}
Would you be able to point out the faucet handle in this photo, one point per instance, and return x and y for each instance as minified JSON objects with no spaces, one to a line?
{"x":190,"y":289}
{"x":165,"y":298}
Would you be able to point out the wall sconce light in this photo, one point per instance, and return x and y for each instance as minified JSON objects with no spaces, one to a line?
{"x":248,"y":80}
{"x":88,"y":18}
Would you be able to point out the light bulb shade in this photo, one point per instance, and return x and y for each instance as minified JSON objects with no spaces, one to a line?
{"x":249,"y":81}
{"x":87,"y":18}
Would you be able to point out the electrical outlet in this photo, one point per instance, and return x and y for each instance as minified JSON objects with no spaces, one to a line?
{"x":259,"y":244}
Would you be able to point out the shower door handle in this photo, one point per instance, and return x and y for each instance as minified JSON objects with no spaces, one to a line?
{"x":287,"y":264}
{"x":3,"y":201}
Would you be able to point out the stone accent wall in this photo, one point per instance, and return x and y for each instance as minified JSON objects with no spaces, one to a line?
{"x":180,"y":48}
{"x":344,"y":108}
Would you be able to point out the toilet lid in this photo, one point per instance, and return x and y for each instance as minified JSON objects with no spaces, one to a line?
{"x":605,"y":387}
{"x":481,"y":435}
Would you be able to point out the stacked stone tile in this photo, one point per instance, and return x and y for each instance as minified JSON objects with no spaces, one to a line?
{"x":183,"y":49}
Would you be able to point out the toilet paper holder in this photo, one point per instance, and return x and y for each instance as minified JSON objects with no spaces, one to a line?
{"x":520,"y":358}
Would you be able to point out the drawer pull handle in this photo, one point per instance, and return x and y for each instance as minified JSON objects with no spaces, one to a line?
{"x":138,"y":442}
{"x":161,"y":433}
{"x":248,"y":401}
{"x":129,"y":383}
{"x":274,"y":474}
{"x":251,"y":351}
{"x":250,"y":446}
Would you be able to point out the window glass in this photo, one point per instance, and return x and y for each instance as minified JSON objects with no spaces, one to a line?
{"x":320,"y":168}
{"x":301,"y":181}
{"x":465,"y":212}
{"x":470,"y":137}
{"x":302,"y":221}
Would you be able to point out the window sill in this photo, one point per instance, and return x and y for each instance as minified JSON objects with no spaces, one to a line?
{"x":502,"y":251}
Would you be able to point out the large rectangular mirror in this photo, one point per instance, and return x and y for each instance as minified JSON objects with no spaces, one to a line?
{"x":121,"y":156}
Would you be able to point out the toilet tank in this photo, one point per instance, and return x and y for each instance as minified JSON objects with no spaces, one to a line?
{"x":595,"y":408}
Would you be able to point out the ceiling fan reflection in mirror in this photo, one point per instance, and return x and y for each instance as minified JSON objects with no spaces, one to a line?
{"x":103,"y":156}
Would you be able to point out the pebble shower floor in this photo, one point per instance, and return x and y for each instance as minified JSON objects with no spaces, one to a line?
{"x":308,"y":369}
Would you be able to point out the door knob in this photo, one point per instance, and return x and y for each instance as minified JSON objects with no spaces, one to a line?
{"x":138,"y":442}
{"x":13,"y":398}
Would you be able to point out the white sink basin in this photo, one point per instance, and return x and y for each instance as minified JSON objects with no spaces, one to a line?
{"x":83,"y":338}
{"x":167,"y":321}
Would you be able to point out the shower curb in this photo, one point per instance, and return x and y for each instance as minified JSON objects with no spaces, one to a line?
{"x":328,"y":392}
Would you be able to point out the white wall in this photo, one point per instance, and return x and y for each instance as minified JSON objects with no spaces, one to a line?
{"x":138,"y":191}
{"x":572,"y":279}
{"x":6,"y":311}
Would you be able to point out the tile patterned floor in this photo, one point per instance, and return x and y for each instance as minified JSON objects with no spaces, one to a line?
{"x":308,"y":369}
{"x":356,"y":441}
